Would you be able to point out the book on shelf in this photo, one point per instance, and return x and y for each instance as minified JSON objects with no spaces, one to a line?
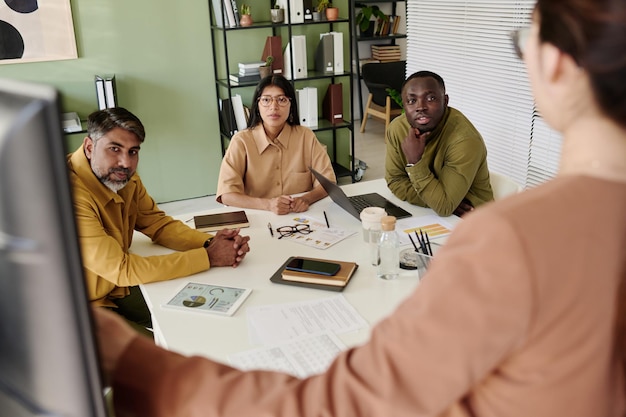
{"x":332,"y":106}
{"x":296,"y":49}
{"x":230,"y":14}
{"x":338,"y":51}
{"x":308,"y":9}
{"x":395,"y":25}
{"x":325,"y":54}
{"x":240,"y":114}
{"x":274,"y":48}
{"x":102,"y":101}
{"x":218,"y":13}
{"x":235,"y":12}
{"x":295,"y":8}
{"x":219,"y":221}
{"x":227,"y":117}
{"x":106,"y":91}
{"x":238,"y":78}
{"x":307,"y":106}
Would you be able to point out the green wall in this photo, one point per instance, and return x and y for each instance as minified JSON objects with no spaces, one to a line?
{"x":160,"y":52}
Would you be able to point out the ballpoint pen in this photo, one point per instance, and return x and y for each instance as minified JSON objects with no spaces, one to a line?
{"x":422,"y":243}
{"x":430,"y":250}
{"x":269,"y":226}
{"x":413,"y":242}
{"x":326,"y":218}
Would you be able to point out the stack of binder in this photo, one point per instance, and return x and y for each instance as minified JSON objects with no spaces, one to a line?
{"x":248,"y":72}
{"x":106,"y":92}
{"x":386,"y":53}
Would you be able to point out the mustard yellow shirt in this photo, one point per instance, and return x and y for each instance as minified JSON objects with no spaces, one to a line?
{"x":106,"y":222}
{"x":256,"y":166}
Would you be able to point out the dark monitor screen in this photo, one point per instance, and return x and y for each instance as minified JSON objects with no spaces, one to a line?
{"x":48,"y":359}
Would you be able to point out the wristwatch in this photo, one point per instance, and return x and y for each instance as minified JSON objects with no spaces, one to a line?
{"x":207,"y":242}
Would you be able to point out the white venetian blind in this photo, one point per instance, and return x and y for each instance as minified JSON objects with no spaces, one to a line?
{"x":467,"y":42}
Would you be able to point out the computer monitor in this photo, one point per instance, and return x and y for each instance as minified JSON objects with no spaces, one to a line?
{"x":48,"y":357}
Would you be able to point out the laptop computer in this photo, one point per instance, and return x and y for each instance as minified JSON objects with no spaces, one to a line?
{"x":354,"y":204}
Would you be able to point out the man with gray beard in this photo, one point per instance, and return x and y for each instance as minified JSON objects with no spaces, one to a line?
{"x":111,"y":202}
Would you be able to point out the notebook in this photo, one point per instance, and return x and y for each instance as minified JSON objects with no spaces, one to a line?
{"x":354,"y":204}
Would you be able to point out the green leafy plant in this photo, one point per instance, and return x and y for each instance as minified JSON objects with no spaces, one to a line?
{"x":275,"y":5}
{"x":269,"y":60}
{"x":323,"y":5}
{"x":362,"y":18}
{"x":396,"y":96}
{"x":245,"y":9}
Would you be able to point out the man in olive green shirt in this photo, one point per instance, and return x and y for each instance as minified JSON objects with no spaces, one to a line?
{"x":435,"y":156}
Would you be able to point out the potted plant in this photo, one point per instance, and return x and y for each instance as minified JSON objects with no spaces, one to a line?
{"x":246,"y":18}
{"x":332,"y":13}
{"x":364,"y":18}
{"x":278,"y":14}
{"x":266,"y":69}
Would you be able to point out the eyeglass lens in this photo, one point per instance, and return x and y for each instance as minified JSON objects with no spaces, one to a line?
{"x":266,"y":101}
{"x":286,"y":231}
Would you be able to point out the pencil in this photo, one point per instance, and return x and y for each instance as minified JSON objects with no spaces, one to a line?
{"x":430,"y":250}
{"x":326,"y":218}
{"x":421,"y":242}
{"x":413,"y":242}
{"x":269,"y":226}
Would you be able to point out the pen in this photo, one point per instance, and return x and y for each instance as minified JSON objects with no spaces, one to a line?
{"x":269,"y":226}
{"x":422,"y":243}
{"x":326,"y":218}
{"x":430,"y":250}
{"x":413,"y":242}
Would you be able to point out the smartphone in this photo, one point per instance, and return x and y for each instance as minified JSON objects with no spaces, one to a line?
{"x":313,"y":267}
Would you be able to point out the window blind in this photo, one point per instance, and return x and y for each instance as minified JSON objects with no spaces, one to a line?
{"x":467,"y":42}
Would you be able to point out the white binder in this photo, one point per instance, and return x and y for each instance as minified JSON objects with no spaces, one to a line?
{"x":240,"y":113}
{"x":296,"y":10}
{"x":307,"y":107}
{"x":338,"y":51}
{"x":297,"y":47}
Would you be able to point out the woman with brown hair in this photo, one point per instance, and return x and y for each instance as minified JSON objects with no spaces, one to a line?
{"x":269,"y":161}
{"x":520,"y":314}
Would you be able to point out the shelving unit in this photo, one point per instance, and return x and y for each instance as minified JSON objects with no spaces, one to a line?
{"x":387,"y":39}
{"x":230,"y":45}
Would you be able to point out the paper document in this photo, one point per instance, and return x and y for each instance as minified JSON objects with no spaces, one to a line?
{"x":435,"y":226}
{"x":278,"y":322}
{"x":300,"y":357}
{"x":321,"y":236}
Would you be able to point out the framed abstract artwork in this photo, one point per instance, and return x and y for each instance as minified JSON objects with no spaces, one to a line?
{"x":36,"y":30}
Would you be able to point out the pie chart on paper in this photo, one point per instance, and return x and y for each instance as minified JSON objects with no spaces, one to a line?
{"x":194,"y":301}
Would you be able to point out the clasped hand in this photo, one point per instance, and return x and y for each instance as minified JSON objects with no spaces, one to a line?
{"x":228,"y":248}
{"x":286,"y":204}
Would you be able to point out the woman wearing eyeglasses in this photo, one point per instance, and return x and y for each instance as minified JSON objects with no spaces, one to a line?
{"x":267,"y":163}
{"x":523,"y":311}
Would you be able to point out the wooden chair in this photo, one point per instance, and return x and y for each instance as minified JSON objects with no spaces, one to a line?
{"x":378,"y":77}
{"x":503,"y":186}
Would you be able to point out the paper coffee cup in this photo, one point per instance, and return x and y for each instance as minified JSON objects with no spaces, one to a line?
{"x":370,"y":219}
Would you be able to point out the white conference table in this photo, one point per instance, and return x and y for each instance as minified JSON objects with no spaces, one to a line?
{"x":216,"y":337}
